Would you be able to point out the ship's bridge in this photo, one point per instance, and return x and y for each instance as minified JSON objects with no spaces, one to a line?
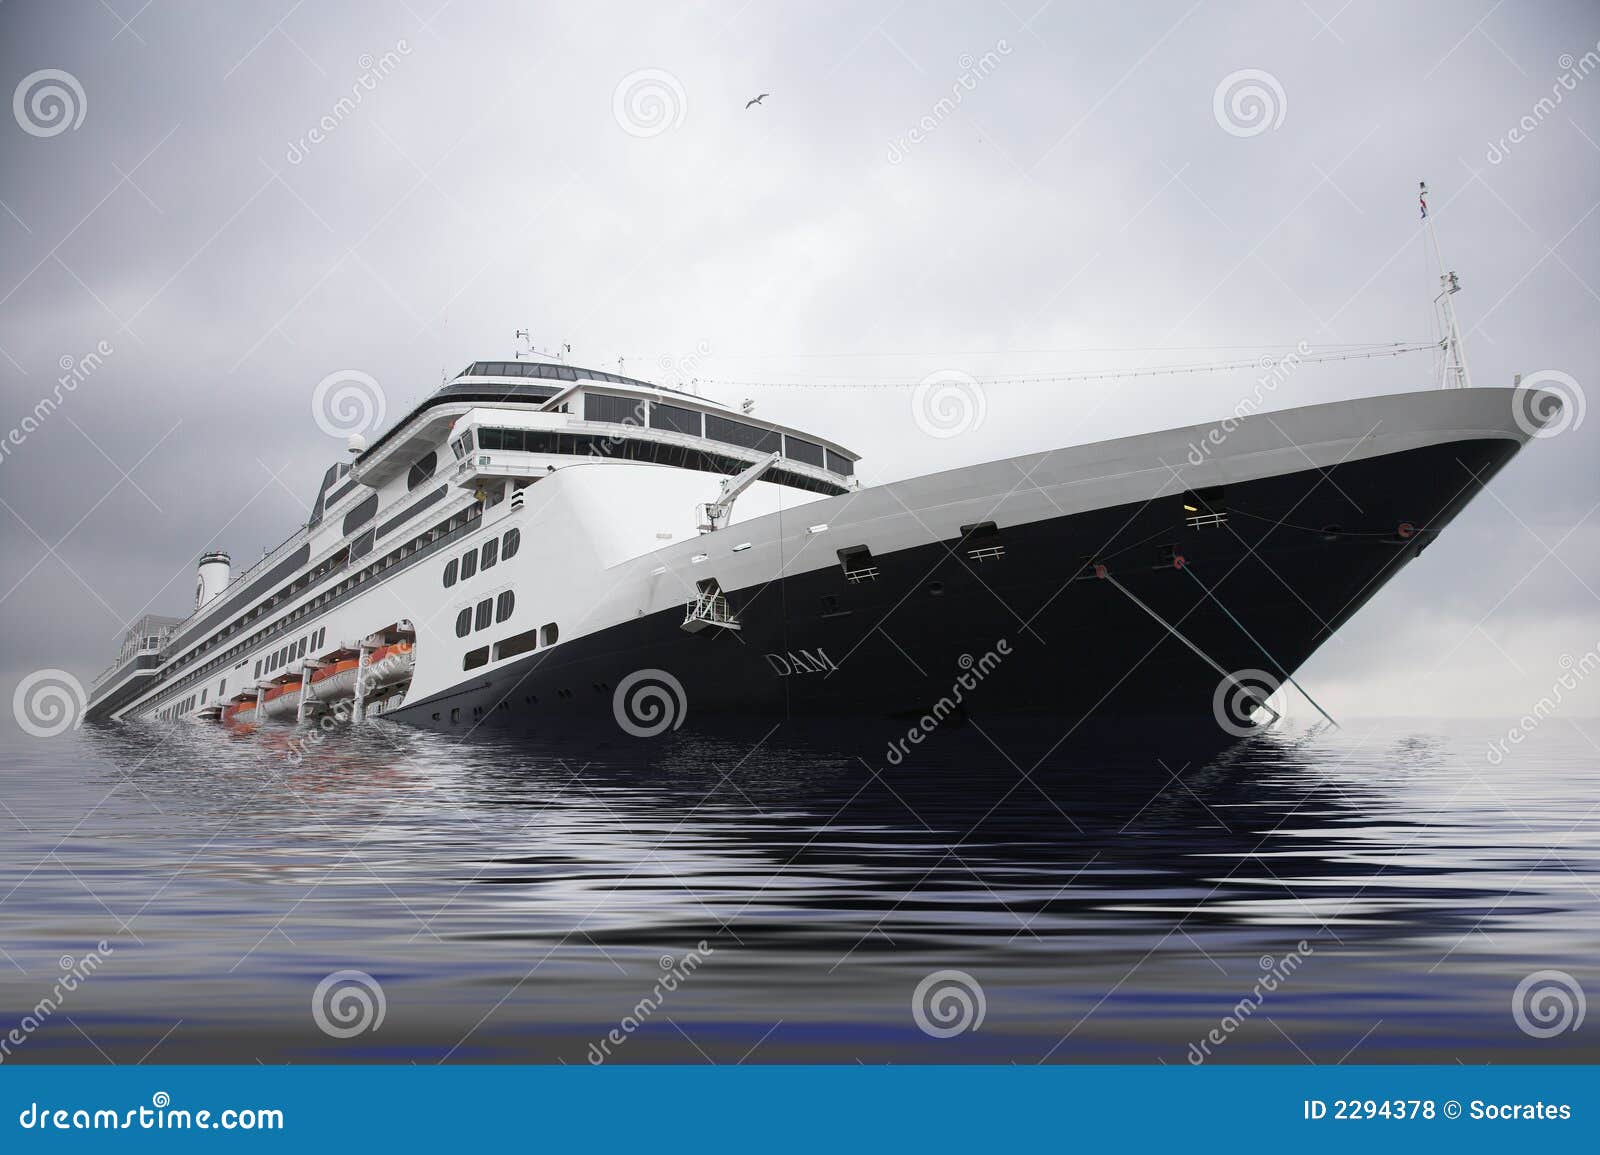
{"x":508,"y":419}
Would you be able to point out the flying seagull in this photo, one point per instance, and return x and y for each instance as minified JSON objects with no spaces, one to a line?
{"x":757,"y":100}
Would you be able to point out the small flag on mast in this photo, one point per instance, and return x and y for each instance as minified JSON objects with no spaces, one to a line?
{"x":1422,"y":198}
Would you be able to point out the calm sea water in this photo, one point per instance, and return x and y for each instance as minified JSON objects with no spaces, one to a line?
{"x":1374,"y":894}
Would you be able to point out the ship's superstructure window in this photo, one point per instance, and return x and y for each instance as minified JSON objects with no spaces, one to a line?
{"x":838,"y":463}
{"x":463,"y":623}
{"x":510,"y":543}
{"x":422,"y":471}
{"x":490,"y":554}
{"x":362,"y":513}
{"x":549,"y":634}
{"x":800,"y":449}
{"x":475,"y":658}
{"x":516,"y":644}
{"x":622,"y":410}
{"x":741,"y":434}
{"x":503,"y":606}
{"x":676,"y":418}
{"x":469,"y":564}
{"x":483,"y":614}
{"x":451,"y":568}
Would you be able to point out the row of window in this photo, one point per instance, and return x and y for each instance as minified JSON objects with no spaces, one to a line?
{"x":453,"y":524}
{"x":495,"y":550}
{"x":177,"y":708}
{"x":549,"y":372}
{"x":294,"y":650}
{"x":655,"y":452}
{"x":487,"y":612}
{"x":523,"y":643}
{"x":715,"y":427}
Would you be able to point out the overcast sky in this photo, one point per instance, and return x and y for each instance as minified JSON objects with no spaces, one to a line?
{"x":996,"y":189}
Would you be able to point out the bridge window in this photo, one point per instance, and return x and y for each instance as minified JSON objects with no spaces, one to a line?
{"x":838,"y":463}
{"x":742,"y":434}
{"x":606,"y":407}
{"x":677,"y":418}
{"x":801,"y":450}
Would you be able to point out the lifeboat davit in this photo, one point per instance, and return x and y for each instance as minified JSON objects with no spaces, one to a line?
{"x":335,"y":682}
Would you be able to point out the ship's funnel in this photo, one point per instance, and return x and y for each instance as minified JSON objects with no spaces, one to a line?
{"x":213,"y":577}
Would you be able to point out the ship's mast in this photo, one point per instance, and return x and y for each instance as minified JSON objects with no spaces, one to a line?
{"x":1453,"y":366}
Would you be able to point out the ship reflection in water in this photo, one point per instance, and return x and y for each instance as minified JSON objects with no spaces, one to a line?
{"x":1372,"y":894}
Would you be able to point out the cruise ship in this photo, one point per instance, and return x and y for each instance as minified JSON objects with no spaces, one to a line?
{"x":547,"y":547}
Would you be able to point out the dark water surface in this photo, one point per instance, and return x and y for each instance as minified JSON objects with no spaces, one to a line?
{"x":515,"y":903}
